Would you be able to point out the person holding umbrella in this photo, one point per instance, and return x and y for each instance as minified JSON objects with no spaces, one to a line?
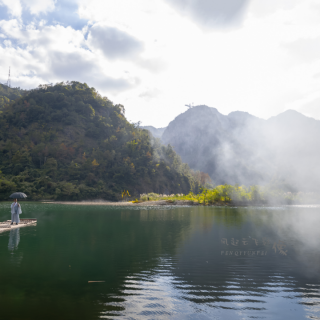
{"x":16,"y":207}
{"x":15,"y":211}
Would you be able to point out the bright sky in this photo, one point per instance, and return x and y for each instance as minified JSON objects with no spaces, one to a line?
{"x":259,"y":56}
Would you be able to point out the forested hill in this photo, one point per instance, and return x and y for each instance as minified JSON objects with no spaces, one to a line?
{"x":68,"y":142}
{"x":8,"y":95}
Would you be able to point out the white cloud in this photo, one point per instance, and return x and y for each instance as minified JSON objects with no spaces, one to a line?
{"x":211,"y":13}
{"x":114,"y":43}
{"x":150,"y":94}
{"x":307,"y":49}
{"x":265,"y":8}
{"x":7,"y":43}
{"x":14,"y":7}
{"x":35,"y":7}
{"x":152,"y":58}
{"x":79,"y":65}
{"x":311,"y":109}
{"x":39,"y":6}
{"x":55,"y":53}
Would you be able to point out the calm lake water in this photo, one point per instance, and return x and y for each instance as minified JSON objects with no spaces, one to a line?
{"x":161,"y":263}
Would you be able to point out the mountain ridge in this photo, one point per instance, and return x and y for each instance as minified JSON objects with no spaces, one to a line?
{"x":241,"y":148}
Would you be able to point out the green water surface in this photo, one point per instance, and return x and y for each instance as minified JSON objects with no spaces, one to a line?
{"x":160,"y":263}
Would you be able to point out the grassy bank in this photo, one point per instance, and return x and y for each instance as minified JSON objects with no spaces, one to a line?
{"x":228,"y":194}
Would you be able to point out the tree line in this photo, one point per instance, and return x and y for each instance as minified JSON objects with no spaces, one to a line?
{"x":67,"y":142}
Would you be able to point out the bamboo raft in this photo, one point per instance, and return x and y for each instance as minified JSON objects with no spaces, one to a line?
{"x":6,"y":225}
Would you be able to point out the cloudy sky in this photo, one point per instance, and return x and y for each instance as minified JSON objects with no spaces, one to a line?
{"x":259,"y":56}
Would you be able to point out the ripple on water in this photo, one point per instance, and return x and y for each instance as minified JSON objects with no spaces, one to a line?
{"x":160,"y":263}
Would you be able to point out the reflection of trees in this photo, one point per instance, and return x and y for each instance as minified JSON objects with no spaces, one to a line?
{"x":73,"y":247}
{"x":126,"y":247}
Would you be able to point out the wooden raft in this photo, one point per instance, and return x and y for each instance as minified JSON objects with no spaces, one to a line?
{"x":6,"y":225}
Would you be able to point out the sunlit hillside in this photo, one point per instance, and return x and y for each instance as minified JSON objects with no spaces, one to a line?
{"x":68,"y":142}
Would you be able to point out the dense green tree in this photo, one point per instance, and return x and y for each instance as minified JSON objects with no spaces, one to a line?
{"x":68,"y":142}
{"x":8,"y":94}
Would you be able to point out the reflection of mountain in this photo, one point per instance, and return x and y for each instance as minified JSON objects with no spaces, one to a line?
{"x":240,"y":148}
{"x":198,"y":282}
{"x":205,"y":275}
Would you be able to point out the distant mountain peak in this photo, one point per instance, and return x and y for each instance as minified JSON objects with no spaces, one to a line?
{"x":241,"y":148}
{"x":293,"y":118}
{"x":202,"y":107}
{"x":290,"y":113}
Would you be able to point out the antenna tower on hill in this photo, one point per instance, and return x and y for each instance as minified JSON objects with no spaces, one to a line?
{"x":9,"y":80}
{"x":189,"y":105}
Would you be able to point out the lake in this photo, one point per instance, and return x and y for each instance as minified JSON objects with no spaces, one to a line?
{"x":161,"y":263}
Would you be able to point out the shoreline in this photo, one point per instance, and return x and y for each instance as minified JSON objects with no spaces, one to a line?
{"x":177,"y":203}
{"x":128,"y":204}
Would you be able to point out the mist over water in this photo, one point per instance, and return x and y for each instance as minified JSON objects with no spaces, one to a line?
{"x":161,"y":262}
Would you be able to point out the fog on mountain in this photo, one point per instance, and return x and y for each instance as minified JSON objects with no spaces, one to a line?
{"x":242,"y":149}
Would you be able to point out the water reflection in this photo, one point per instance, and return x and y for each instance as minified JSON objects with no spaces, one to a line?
{"x":231,"y":264}
{"x":14,"y":239}
{"x":311,"y":301}
{"x":165,"y":263}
